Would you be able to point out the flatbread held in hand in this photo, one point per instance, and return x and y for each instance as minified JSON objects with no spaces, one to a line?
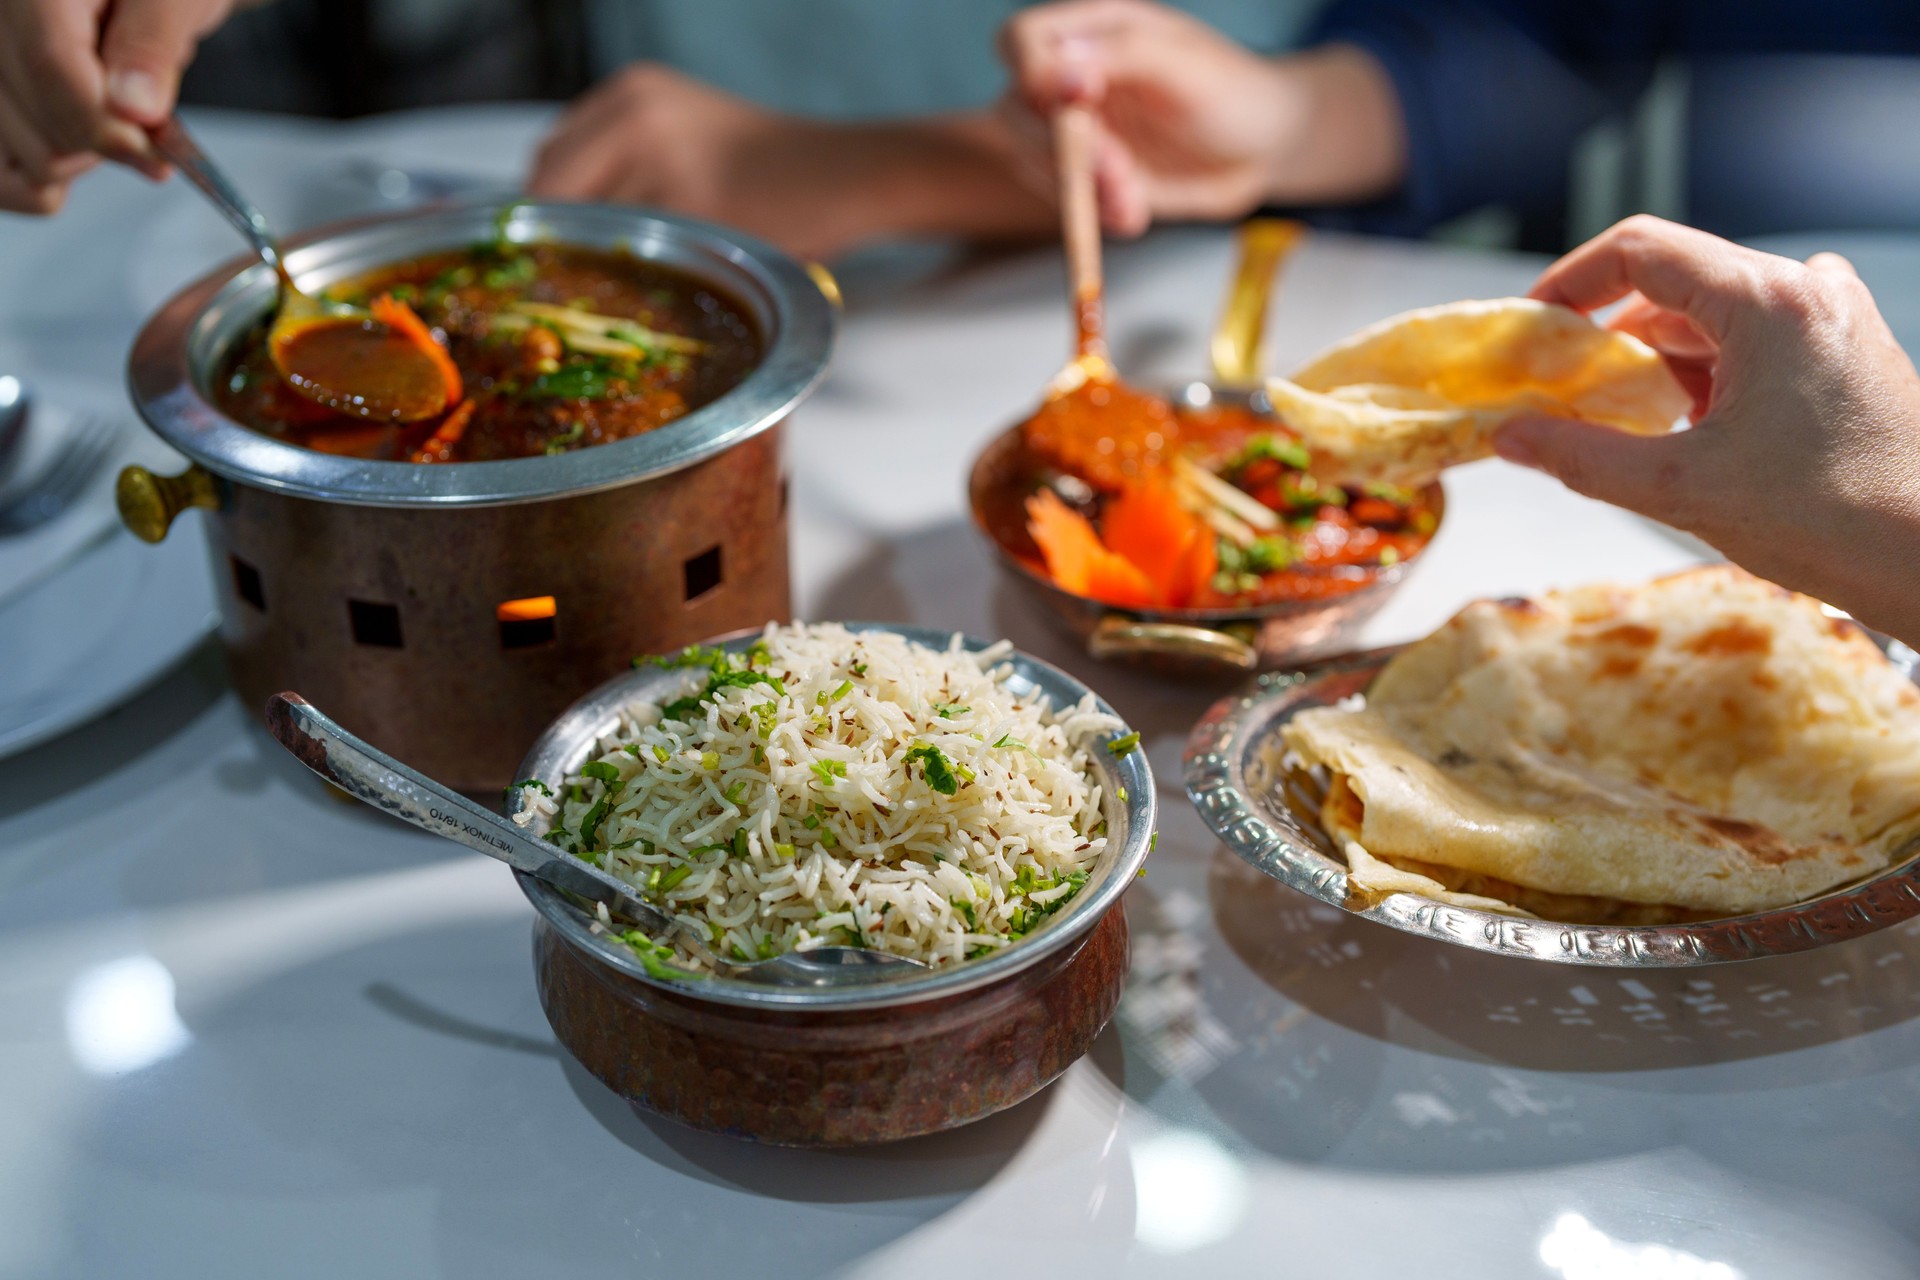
{"x":1707,"y":744}
{"x":1403,"y":399}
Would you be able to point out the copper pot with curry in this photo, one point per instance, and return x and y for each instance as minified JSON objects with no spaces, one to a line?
{"x":605,"y":478}
{"x":1185,"y":532}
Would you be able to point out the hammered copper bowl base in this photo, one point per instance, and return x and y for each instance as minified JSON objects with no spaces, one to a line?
{"x":837,"y":1078}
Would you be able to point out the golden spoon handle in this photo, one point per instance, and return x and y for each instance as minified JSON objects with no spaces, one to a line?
{"x":1265,"y":244}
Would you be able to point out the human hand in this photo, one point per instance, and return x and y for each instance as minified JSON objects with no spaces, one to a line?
{"x":1194,"y":125}
{"x":652,"y":136}
{"x":85,"y":79}
{"x":1803,"y":463}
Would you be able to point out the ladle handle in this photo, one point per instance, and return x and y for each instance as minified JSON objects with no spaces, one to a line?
{"x":174,"y":142}
{"x":367,"y":773}
{"x":1074,"y":130}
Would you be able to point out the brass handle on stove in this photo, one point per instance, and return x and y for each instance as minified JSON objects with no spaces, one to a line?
{"x":149,"y":504}
{"x":1120,"y":637}
{"x":1264,"y":244}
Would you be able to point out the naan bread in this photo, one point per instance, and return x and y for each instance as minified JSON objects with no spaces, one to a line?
{"x":1401,"y":400}
{"x":1706,"y":743}
{"x":1369,"y":877}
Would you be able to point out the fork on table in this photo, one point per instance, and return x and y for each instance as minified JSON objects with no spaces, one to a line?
{"x":61,"y":481}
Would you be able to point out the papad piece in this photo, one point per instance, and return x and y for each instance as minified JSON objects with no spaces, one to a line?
{"x":1404,"y":399}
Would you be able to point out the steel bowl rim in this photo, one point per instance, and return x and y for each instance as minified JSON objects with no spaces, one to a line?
{"x":173,"y":355}
{"x":566,"y":742}
{"x":1214,"y":766}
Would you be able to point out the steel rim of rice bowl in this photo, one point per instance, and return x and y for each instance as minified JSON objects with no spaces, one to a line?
{"x":1130,"y":825}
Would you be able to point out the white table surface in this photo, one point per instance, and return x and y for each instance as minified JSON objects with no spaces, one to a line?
{"x":246,"y":1030}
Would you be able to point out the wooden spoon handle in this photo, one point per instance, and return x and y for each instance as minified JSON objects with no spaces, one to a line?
{"x":1073,"y":140}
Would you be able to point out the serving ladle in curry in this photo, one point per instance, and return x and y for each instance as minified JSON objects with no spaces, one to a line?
{"x":369,"y":774}
{"x":335,"y":355}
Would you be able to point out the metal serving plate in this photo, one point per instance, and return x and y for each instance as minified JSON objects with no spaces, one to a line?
{"x":1233,"y":777}
{"x":1130,"y":825}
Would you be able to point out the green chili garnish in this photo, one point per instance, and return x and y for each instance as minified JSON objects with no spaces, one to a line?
{"x":1288,"y":453}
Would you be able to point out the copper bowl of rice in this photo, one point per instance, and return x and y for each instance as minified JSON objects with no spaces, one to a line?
{"x":1019,"y":985}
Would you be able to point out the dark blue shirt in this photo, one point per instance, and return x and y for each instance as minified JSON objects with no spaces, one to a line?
{"x":1495,"y":93}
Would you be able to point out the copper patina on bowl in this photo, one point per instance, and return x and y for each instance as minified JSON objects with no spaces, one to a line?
{"x":384,"y":590}
{"x":1171,"y":641}
{"x":840,"y":1066}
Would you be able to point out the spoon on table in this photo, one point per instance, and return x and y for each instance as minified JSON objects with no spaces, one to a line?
{"x":352,"y":361}
{"x":369,"y":774}
{"x":1091,"y":423}
{"x":15,"y":404}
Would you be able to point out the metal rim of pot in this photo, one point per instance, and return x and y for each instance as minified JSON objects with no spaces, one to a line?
{"x":178,"y":351}
{"x":567,"y":744}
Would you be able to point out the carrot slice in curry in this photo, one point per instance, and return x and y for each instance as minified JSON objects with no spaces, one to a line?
{"x":1115,"y":580}
{"x":439,"y":446}
{"x":1076,"y":560}
{"x":1196,"y":570}
{"x":1150,"y":527}
{"x":401,"y":318}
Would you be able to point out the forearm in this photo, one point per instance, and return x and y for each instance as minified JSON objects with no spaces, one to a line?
{"x":954,"y":176}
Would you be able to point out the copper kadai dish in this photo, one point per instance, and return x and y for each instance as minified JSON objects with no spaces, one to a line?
{"x":1173,"y":641}
{"x":379,"y":588}
{"x":840,"y":1066}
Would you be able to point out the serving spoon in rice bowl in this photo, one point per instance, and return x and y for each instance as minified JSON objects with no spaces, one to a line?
{"x":369,"y":774}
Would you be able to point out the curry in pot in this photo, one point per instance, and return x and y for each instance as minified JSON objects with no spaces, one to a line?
{"x":547,"y":349}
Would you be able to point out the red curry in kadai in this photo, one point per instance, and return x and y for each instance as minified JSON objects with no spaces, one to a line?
{"x":1152,"y":507}
{"x":544,"y":348}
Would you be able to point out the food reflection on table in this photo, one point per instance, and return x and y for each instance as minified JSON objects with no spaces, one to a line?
{"x":545,"y":349}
